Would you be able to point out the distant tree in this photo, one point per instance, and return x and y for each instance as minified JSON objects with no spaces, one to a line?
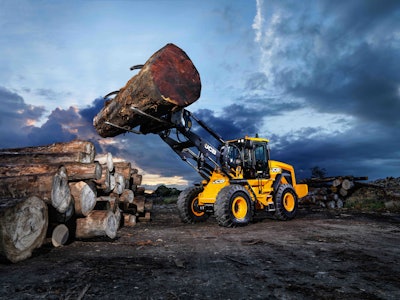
{"x":163,"y":191}
{"x":317,"y":172}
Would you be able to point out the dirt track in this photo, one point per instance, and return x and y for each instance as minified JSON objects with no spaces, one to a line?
{"x":319,"y":255}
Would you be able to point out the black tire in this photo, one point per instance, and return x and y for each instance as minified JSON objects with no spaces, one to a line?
{"x":286,"y":202}
{"x":233,"y":206}
{"x":187,"y":206}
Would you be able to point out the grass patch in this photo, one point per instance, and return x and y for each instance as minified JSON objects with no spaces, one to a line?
{"x":170,"y":199}
{"x":369,"y":204}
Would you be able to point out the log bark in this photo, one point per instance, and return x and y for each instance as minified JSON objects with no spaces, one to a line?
{"x":127,"y":196}
{"x":26,"y":158}
{"x":139,"y":202}
{"x":129,"y":220}
{"x":136,"y":179}
{"x":97,"y":223}
{"x":72,"y":146}
{"x":167,"y":80}
{"x":85,"y":150}
{"x":23,"y":226}
{"x":84,"y":194}
{"x":51,"y":188}
{"x":76,"y":171}
{"x":124,"y":168}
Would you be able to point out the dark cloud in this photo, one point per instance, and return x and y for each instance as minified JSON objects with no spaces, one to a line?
{"x":16,"y":119}
{"x":90,"y":111}
{"x":340,"y":59}
{"x":361,"y":151}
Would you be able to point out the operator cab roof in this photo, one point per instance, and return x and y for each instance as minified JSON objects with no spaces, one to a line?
{"x":247,"y":138}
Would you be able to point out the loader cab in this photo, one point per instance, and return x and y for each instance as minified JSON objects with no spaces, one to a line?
{"x":251,"y":154}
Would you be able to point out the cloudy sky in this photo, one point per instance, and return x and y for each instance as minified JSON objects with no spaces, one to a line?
{"x":320,"y":79}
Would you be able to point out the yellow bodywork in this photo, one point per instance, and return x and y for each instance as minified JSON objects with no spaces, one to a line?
{"x":260,"y":189}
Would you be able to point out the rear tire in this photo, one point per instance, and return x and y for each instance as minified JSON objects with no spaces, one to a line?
{"x":286,"y":202}
{"x":233,"y":206}
{"x":189,"y":211}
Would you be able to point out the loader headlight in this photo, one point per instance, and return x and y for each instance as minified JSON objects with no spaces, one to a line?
{"x":276,"y":170}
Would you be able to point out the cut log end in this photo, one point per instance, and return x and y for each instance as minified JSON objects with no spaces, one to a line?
{"x":175,"y":75}
{"x":60,"y":192}
{"x":60,"y":235}
{"x":23,"y":227}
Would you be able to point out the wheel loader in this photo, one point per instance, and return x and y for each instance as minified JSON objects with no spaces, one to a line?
{"x":239,"y":177}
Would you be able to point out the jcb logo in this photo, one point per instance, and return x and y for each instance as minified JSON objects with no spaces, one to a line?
{"x":211,"y":149}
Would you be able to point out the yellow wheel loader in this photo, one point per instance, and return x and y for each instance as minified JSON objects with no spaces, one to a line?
{"x":239,"y":178}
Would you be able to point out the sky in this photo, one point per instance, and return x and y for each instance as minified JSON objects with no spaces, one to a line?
{"x":319,"y":79}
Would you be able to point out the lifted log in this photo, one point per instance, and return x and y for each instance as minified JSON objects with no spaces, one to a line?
{"x":167,"y":81}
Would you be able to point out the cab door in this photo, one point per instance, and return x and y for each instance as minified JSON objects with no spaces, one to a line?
{"x":261,"y":156}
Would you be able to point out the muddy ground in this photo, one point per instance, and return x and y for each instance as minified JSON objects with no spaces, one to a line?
{"x":319,"y":255}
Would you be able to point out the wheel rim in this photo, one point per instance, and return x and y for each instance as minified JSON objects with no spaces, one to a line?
{"x":288,"y":201}
{"x":239,"y":208}
{"x":195,"y":208}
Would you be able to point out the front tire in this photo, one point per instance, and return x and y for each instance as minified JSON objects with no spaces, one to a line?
{"x":233,"y":206}
{"x":286,"y":202}
{"x":188,"y":208}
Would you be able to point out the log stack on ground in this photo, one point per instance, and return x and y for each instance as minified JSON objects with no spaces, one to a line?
{"x":77,"y":197}
{"x":331,"y":192}
{"x":167,"y":81}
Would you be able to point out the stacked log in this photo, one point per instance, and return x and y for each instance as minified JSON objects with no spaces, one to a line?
{"x":331,"y":192}
{"x":23,"y":226}
{"x":73,"y":197}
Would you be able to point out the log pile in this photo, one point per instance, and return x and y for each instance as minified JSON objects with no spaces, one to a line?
{"x":331,"y":192}
{"x":63,"y":190}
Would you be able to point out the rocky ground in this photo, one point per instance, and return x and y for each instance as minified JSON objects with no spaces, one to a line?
{"x":322,"y":254}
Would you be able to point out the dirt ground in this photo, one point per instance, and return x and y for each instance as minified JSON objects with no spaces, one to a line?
{"x":319,"y":255}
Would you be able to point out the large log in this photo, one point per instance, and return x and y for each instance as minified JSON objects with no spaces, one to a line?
{"x":76,"y":171}
{"x":97,"y":223}
{"x":27,"y":158}
{"x":52,"y":188}
{"x":168,"y":80}
{"x":23,"y":226}
{"x":84,"y":150}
